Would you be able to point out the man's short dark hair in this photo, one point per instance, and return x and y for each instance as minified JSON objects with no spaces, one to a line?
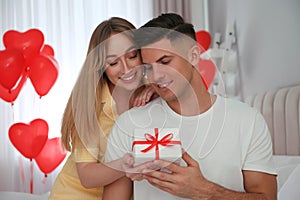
{"x":169,"y":25}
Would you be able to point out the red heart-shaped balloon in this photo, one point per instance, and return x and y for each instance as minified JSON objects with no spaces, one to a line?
{"x":12,"y":64}
{"x":203,"y":39}
{"x":12,"y":94}
{"x":29,"y":139}
{"x":207,"y":70}
{"x":51,"y":155}
{"x":29,"y":42}
{"x":43,"y":73}
{"x":47,"y":50}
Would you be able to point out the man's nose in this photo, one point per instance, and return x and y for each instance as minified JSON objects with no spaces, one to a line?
{"x":156,"y":74}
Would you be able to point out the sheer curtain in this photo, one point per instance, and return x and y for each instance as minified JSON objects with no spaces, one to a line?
{"x":67,"y":26}
{"x":181,"y":7}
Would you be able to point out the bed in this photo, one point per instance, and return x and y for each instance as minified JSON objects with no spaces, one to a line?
{"x":281,"y":109}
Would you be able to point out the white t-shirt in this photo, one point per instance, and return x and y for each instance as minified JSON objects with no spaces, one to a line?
{"x":226,"y":139}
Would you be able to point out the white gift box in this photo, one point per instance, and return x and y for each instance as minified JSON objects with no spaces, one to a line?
{"x":155,"y":144}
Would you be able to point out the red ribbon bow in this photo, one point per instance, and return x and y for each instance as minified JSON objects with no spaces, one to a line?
{"x":154,"y":142}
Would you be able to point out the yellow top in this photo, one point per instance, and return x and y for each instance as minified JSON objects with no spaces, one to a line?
{"x":67,"y":184}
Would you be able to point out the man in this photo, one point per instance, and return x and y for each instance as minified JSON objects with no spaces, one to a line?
{"x":227,"y":145}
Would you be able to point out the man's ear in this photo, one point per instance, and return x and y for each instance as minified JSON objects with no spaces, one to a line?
{"x":194,"y":55}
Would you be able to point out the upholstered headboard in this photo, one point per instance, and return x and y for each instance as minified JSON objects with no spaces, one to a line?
{"x":281,"y":109}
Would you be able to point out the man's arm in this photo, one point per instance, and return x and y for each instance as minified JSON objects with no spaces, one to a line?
{"x":188,"y":182}
{"x":263,"y":183}
{"x":121,"y":189}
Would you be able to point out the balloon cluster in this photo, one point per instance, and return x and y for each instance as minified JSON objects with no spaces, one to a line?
{"x":31,"y":140}
{"x":207,"y":67}
{"x":25,"y":56}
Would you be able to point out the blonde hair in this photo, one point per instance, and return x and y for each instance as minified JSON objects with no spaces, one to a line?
{"x":81,"y":114}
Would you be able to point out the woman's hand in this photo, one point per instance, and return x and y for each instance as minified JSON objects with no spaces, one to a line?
{"x":142,"y":96}
{"x":136,"y":173}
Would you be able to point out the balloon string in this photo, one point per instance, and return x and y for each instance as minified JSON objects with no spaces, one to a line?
{"x":44,"y":179}
{"x":22,"y":173}
{"x":38,"y":104}
{"x":31,"y":176}
{"x":13,"y":112}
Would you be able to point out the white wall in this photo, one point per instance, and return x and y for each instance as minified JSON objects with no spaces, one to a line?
{"x":268,"y":39}
{"x":198,"y":14}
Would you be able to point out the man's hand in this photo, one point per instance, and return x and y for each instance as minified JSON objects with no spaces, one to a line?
{"x":188,"y":182}
{"x":180,"y":181}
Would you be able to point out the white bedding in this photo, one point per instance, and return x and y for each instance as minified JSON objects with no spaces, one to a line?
{"x":288,"y":169}
{"x":22,"y":196}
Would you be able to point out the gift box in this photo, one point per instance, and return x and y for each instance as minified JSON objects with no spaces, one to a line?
{"x":155,"y":144}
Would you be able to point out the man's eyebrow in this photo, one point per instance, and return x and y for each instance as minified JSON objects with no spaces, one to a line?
{"x":163,"y":57}
{"x":160,"y":59}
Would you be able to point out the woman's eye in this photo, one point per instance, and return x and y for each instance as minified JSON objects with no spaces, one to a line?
{"x":113,"y":63}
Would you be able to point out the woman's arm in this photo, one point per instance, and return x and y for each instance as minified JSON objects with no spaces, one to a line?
{"x":95,"y":174}
{"x":121,"y":189}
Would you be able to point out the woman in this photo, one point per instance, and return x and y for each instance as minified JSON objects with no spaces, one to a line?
{"x":104,"y":89}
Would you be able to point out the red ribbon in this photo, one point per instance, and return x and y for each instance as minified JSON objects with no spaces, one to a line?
{"x":154,"y":142}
